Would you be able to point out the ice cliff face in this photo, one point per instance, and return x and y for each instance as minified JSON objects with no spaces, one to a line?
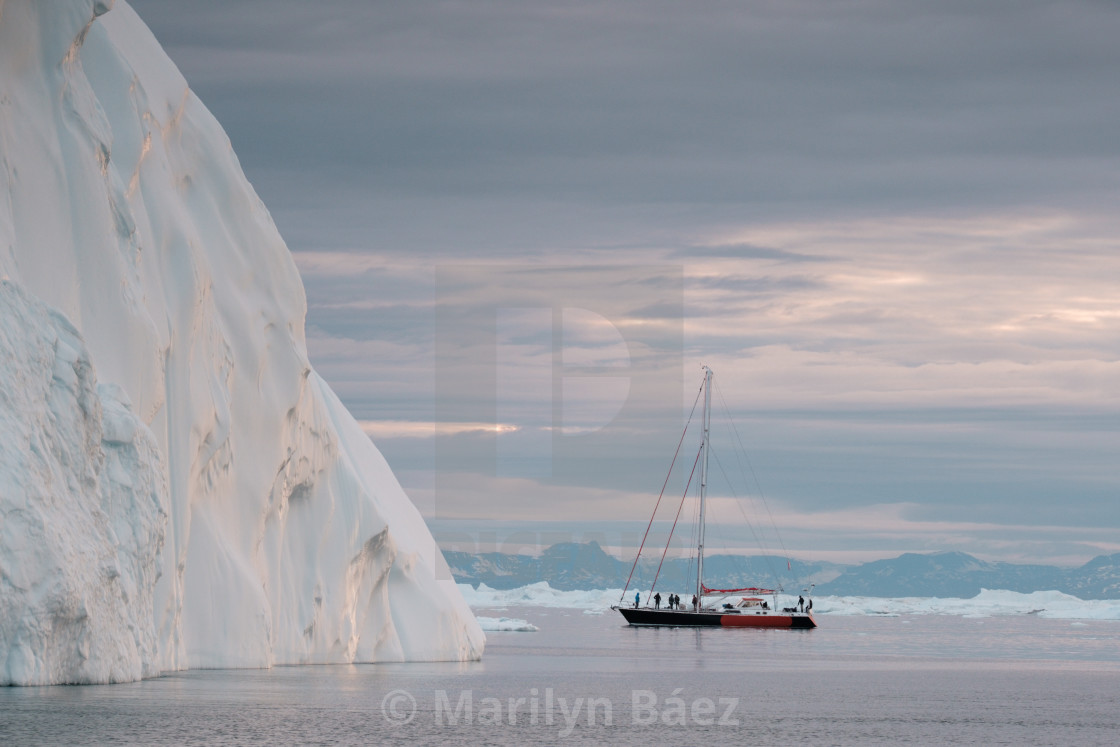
{"x":209,"y":503}
{"x":83,"y":506}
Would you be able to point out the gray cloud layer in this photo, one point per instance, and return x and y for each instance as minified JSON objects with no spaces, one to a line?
{"x":723,"y":110}
{"x":894,"y":220}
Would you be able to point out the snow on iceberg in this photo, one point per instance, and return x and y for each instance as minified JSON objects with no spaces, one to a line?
{"x":191,"y":493}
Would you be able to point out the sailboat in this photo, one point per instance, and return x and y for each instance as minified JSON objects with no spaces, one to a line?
{"x":715,"y":607}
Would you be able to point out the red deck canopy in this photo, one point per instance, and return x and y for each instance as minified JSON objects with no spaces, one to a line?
{"x":749,"y":589}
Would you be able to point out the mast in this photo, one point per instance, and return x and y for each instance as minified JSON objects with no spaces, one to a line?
{"x":703,"y":486}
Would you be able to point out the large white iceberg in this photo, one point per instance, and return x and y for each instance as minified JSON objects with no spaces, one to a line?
{"x":178,"y":488}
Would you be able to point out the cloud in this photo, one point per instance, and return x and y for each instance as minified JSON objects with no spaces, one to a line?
{"x":386,"y":429}
{"x":743,"y":251}
{"x":926,"y":359}
{"x":889,"y":226}
{"x":737,"y":110}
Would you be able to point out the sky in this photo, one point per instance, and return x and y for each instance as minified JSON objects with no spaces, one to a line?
{"x":890,"y":227}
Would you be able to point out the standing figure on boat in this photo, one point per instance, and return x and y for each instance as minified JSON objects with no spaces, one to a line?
{"x":657,"y":601}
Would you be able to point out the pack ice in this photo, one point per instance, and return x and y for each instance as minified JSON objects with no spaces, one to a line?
{"x":178,"y":488}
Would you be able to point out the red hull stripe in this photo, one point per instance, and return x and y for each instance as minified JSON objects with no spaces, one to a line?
{"x":756,"y":621}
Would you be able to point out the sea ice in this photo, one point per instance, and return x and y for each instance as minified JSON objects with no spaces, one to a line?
{"x":988,"y":603}
{"x":506,"y":624}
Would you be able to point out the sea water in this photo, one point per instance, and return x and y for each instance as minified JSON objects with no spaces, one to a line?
{"x":590,"y":679}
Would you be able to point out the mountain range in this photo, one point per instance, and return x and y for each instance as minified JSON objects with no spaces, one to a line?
{"x":569,"y":566}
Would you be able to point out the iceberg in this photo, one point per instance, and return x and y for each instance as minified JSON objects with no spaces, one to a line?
{"x":540,"y":594}
{"x":83,"y":509}
{"x":178,"y":488}
{"x":506,"y":625}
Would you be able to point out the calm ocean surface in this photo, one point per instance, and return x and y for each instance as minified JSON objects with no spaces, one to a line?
{"x":589,"y":679}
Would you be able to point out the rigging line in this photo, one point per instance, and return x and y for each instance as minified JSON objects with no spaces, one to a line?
{"x":754,"y":476}
{"x":692,"y":540}
{"x":652,"y":517}
{"x":674,"y":527}
{"x":739,"y":505}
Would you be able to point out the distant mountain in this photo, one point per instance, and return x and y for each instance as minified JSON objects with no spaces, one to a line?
{"x":945,"y":574}
{"x":569,"y":566}
{"x":955,"y":574}
{"x":565,"y":566}
{"x":1097,"y":579}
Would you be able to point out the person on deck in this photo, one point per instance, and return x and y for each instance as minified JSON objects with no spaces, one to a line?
{"x":801,"y":604}
{"x":695,"y":604}
{"x":657,"y":601}
{"x":637,"y":598}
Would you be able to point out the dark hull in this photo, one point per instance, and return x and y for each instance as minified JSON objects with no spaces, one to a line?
{"x":713,"y":619}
